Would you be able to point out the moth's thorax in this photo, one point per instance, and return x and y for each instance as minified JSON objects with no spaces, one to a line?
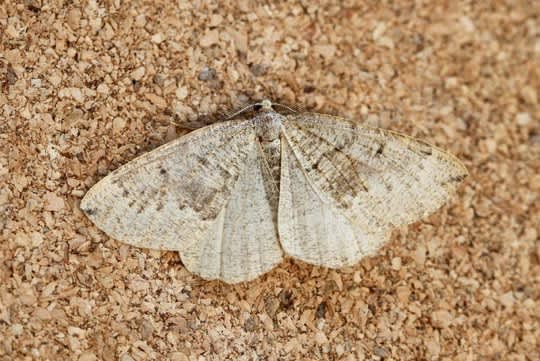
{"x":268,"y":125}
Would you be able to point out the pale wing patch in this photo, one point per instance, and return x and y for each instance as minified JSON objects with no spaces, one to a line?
{"x":379,"y":179}
{"x":243,"y":241}
{"x":174,"y":193}
{"x":311,"y":227}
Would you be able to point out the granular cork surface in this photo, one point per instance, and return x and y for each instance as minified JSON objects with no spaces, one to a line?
{"x":86,"y":87}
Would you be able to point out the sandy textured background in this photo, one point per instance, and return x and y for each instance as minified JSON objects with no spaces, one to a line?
{"x":86,"y":87}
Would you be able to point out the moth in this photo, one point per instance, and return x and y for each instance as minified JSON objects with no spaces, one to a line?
{"x":235,"y":197}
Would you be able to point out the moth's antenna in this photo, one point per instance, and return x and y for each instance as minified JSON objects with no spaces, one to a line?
{"x":265,"y":104}
{"x":292,"y":110}
{"x":246,"y":108}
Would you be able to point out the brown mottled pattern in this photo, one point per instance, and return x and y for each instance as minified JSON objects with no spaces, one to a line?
{"x":342,"y":173}
{"x":174,"y":191}
{"x":243,"y":242}
{"x":395,"y":185}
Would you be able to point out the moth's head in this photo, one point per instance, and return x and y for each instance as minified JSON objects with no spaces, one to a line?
{"x":266,"y":105}
{"x":268,"y":122}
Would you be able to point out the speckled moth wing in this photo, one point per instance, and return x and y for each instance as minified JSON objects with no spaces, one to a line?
{"x":244,"y":242}
{"x":311,"y":226}
{"x":201,"y":195}
{"x":370,"y":179}
{"x":174,"y":192}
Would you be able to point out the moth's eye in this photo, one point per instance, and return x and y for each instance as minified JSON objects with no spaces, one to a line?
{"x":257,"y":107}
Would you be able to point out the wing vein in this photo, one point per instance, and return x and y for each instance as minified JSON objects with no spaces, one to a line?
{"x":315,"y":190}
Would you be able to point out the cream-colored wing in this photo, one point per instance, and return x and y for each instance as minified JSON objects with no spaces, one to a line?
{"x":184,"y":196}
{"x":243,"y":243}
{"x":375,"y":179}
{"x":311,"y":226}
{"x":174,"y":193}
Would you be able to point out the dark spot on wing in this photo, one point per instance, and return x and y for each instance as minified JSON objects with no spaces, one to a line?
{"x":125,"y":193}
{"x":380,"y":149}
{"x":202,"y":160}
{"x":140,"y":209}
{"x":90,"y":211}
{"x":364,"y":186}
{"x":342,"y":144}
{"x":159,"y":206}
{"x":341,"y":171}
{"x":162,"y":171}
{"x":421,"y":147}
{"x":224,"y":172}
{"x":207,"y":216}
{"x":425,"y":148}
{"x":131,"y":203}
{"x":205,"y":201}
{"x":458,"y":178}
